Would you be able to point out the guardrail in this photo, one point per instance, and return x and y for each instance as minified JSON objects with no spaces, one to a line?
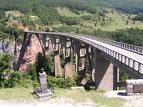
{"x":135,"y":65}
{"x":133,"y":48}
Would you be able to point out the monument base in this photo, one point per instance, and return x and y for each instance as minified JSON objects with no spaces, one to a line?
{"x":134,"y":87}
{"x":40,"y":95}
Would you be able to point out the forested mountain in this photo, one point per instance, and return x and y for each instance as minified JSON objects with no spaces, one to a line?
{"x":25,"y":5}
{"x":118,"y":3}
{"x":80,"y":16}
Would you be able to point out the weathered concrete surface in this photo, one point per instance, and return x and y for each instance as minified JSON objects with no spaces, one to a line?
{"x":103,"y":73}
{"x":115,"y":77}
{"x":57,"y":65}
{"x":68,"y":70}
{"x":134,"y":86}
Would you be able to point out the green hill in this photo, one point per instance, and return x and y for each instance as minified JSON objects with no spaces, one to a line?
{"x":118,"y":3}
{"x":78,"y":4}
{"x":80,"y":16}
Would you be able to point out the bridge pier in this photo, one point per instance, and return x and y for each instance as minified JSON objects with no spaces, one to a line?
{"x":57,"y":60}
{"x":57,"y":64}
{"x":93,"y":64}
{"x":81,"y":59}
{"x":67,"y":59}
{"x":115,"y":78}
{"x":104,"y":73}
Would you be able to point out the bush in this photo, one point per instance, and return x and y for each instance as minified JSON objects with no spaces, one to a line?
{"x":32,"y":72}
{"x":86,"y":17}
{"x":67,"y":28}
{"x":17,"y":79}
{"x":5,"y":62}
{"x":70,"y":20}
{"x":59,"y":82}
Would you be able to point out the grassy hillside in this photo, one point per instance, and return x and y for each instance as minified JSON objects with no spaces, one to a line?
{"x":112,"y":20}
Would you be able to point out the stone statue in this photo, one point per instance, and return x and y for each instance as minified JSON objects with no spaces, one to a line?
{"x":43,"y":81}
{"x":43,"y":92}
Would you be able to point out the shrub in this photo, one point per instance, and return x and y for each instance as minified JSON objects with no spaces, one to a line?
{"x":17,"y":79}
{"x":44,"y":62}
{"x":32,"y":72}
{"x":86,"y":17}
{"x":59,"y":82}
{"x":70,"y":20}
{"x":5,"y":62}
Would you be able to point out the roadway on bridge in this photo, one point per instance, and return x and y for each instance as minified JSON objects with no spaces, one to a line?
{"x":132,"y":55}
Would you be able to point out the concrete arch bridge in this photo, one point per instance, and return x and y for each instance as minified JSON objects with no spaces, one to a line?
{"x":103,"y":57}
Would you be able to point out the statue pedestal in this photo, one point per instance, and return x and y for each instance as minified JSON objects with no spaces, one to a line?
{"x":47,"y":94}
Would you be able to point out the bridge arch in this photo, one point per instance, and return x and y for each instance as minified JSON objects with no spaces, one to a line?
{"x":104,"y":56}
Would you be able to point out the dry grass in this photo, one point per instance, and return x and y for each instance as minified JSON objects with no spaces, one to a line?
{"x":16,"y":94}
{"x":78,"y":95}
{"x":93,"y":96}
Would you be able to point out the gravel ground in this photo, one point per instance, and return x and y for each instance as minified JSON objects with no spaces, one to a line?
{"x":54,"y":102}
{"x":132,"y":101}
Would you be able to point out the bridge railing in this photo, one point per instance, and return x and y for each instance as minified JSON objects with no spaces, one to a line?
{"x":133,"y":48}
{"x":134,"y":65}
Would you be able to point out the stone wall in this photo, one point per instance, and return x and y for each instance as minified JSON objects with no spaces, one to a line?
{"x":134,"y":87}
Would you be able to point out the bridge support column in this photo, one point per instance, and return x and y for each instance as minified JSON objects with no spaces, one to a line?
{"x":68,"y":68}
{"x":57,"y":60}
{"x":81,"y":59}
{"x":115,"y":77}
{"x":93,"y":65}
{"x":104,"y":72}
{"x":67,"y":58}
{"x":57,"y":64}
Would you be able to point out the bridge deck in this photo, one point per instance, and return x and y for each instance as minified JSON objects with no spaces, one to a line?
{"x":132,"y":55}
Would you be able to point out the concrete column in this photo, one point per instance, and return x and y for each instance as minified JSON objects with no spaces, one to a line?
{"x":93,"y":64}
{"x":67,"y":58}
{"x":76,"y":63}
{"x":104,"y":73}
{"x":57,"y":65}
{"x":81,"y":64}
{"x":115,"y":77}
{"x":56,"y":44}
{"x":68,"y":68}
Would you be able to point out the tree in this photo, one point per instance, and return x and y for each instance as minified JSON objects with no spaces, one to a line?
{"x":5,"y":63}
{"x":70,"y":20}
{"x":127,"y":22}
